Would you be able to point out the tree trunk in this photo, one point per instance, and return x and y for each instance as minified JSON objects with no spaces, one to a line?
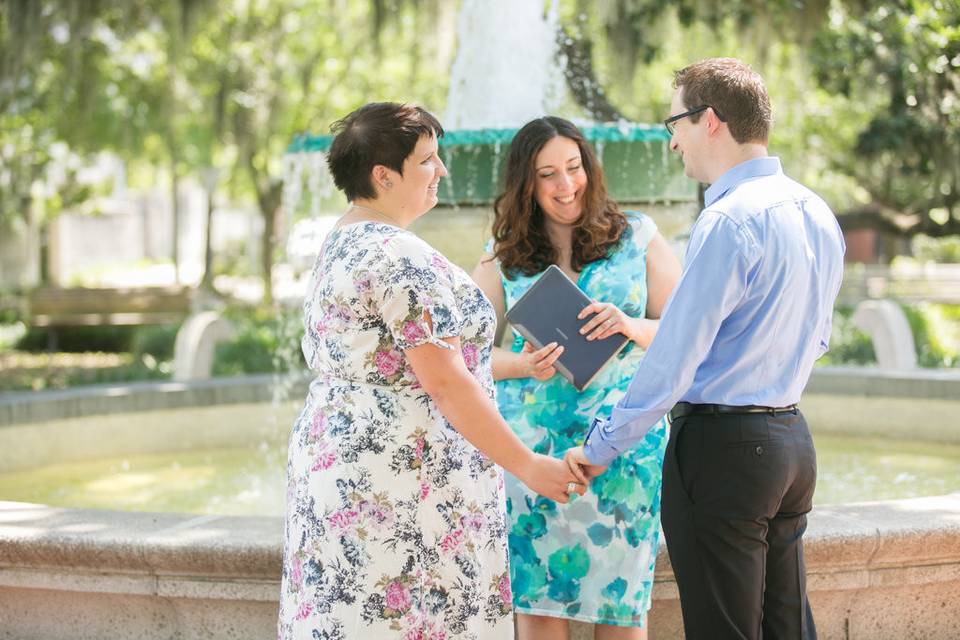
{"x":206,"y":283}
{"x":45,"y":254}
{"x":266,"y":254}
{"x":270,"y":199}
{"x":175,"y":213}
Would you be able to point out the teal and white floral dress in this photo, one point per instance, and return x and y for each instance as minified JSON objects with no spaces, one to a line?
{"x":591,"y":559}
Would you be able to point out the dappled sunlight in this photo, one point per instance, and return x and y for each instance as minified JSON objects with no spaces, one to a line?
{"x":83,"y":527}
{"x":947,"y":507}
{"x":11,"y":512}
{"x":236,"y":481}
{"x":930,"y":513}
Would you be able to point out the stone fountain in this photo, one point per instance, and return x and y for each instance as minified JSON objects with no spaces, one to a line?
{"x":876,"y":570}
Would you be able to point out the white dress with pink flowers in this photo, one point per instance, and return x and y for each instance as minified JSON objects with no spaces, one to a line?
{"x":395,"y":524}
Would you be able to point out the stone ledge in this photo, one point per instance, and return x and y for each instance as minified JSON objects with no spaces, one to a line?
{"x":847,"y":546}
{"x":875,"y":570}
{"x":870,"y":381}
{"x":38,"y":536}
{"x":89,"y":581}
{"x":39,"y":406}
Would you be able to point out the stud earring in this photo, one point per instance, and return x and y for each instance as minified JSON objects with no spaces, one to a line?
{"x":388,"y":184}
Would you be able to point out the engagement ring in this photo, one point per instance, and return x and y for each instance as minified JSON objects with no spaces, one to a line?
{"x":571,"y":487}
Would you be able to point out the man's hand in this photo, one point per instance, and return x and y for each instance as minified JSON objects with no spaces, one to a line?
{"x":576,"y":459}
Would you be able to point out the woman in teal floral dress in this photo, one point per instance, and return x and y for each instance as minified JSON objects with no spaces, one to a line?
{"x":592,"y":559}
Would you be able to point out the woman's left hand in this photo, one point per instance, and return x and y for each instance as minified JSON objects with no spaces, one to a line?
{"x":608,"y":320}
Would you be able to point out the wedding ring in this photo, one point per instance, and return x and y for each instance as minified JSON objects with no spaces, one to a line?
{"x":571,"y":487}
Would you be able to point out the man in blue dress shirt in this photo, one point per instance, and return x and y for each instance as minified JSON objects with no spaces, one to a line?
{"x":734,"y":350}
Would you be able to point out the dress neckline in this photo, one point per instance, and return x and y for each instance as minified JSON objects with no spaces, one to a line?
{"x":376,"y":222}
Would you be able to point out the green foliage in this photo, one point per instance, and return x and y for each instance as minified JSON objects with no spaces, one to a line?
{"x":929,"y":249}
{"x":929,"y":324}
{"x":156,"y":341}
{"x":936,"y":336}
{"x":903,"y":57}
{"x":194,"y":84}
{"x":136,"y":371}
{"x":266,"y":341}
{"x":866,"y":96}
{"x":21,"y":371}
{"x":848,"y":345}
{"x":10,"y":308}
{"x":78,"y":339}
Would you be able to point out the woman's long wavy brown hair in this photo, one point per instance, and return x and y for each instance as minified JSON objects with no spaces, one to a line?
{"x":520,"y":240}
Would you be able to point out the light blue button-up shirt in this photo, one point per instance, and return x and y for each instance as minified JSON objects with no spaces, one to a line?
{"x":752,"y":310}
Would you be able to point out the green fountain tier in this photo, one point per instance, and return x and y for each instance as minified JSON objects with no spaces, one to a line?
{"x":636,"y":158}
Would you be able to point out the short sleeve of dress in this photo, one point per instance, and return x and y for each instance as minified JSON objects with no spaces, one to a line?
{"x":644,"y":228}
{"x":413,"y":282}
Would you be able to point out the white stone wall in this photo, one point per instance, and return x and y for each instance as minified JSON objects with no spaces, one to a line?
{"x":19,"y":257}
{"x":138,"y":227}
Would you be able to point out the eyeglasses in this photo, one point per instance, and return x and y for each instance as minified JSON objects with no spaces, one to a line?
{"x":669,"y":123}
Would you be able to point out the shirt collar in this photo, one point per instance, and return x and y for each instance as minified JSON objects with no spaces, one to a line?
{"x":755,"y":168}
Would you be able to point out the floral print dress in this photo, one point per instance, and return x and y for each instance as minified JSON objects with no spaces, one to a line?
{"x":395,"y":524}
{"x":591,"y":559}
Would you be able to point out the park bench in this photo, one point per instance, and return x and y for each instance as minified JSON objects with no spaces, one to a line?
{"x":55,"y":307}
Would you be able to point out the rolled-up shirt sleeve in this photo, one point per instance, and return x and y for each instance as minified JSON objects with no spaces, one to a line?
{"x":718,"y":262}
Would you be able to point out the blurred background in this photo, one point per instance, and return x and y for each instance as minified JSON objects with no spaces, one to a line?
{"x":163,"y":193}
{"x":163,"y":158}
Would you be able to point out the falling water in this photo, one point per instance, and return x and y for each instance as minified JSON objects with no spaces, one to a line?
{"x":506,"y":70}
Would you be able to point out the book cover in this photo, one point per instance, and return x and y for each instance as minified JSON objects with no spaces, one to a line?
{"x":547,"y":313}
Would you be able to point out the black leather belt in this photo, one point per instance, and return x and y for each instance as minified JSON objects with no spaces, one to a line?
{"x":688,"y":409}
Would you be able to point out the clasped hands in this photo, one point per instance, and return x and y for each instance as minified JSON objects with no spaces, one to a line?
{"x":560,"y":479}
{"x":576,"y":460}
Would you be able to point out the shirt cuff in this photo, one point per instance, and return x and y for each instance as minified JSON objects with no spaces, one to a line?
{"x":598,"y":450}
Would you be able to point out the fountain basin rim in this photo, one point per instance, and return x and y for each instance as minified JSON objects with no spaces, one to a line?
{"x":606,"y":132}
{"x":102,"y":399}
{"x":842,"y":538}
{"x":38,"y":406}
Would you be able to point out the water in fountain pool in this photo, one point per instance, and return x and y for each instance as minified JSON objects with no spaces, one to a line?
{"x":249,"y":479}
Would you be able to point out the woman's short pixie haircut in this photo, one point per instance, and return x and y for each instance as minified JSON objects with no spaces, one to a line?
{"x":734,"y":90}
{"x":376,"y":133}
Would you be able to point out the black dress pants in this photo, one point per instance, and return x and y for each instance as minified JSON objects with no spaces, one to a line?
{"x":736,"y":491}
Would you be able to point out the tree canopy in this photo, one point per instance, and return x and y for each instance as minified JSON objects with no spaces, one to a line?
{"x":865,"y":94}
{"x":191,"y":85}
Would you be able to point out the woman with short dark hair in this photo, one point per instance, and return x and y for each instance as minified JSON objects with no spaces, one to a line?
{"x":395,"y":506}
{"x":591,"y":560}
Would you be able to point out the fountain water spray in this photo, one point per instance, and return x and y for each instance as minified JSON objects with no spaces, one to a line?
{"x":506,"y":71}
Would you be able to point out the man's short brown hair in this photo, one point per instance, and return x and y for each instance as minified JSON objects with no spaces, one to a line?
{"x":734,"y":90}
{"x":376,"y":133}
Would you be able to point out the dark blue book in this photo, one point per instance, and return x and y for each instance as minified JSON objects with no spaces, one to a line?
{"x":548,"y":312}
